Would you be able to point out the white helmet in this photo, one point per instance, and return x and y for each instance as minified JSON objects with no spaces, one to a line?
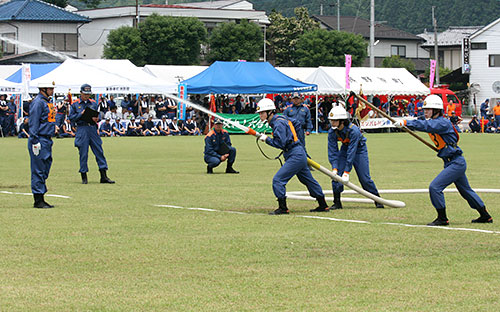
{"x":265,"y":105}
{"x":337,"y":113}
{"x":46,"y":84}
{"x":433,"y":101}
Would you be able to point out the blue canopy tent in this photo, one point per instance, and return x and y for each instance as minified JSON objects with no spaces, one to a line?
{"x":244,"y":77}
{"x":37,"y":70}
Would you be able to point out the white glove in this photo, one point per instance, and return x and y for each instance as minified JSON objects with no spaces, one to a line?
{"x":345,"y":177}
{"x":399,"y":123}
{"x":36,"y":148}
{"x":263,"y":137}
{"x":335,"y":171}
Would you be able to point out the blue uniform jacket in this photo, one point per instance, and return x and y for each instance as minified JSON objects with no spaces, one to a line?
{"x":213,"y":142}
{"x":285,"y":132}
{"x":105,"y":127}
{"x":76,"y":111}
{"x":42,"y":118}
{"x":352,"y":142}
{"x":300,"y":113}
{"x":442,"y":134}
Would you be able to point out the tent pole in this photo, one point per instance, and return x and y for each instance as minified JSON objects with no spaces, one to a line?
{"x":317,"y":113}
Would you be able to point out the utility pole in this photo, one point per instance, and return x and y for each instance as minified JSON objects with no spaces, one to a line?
{"x":436,"y":52}
{"x":136,"y":13}
{"x":338,"y":15}
{"x":321,"y":9}
{"x":372,"y":32}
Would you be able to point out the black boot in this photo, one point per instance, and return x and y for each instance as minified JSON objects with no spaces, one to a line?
{"x":484,"y":216}
{"x":323,"y":206}
{"x":84,"y":177}
{"x":282,"y":209}
{"x":210,"y":170}
{"x":104,"y":177}
{"x":379,"y":205}
{"x":229,"y":168}
{"x":441,"y":219}
{"x":337,"y":204}
{"x":40,"y":202}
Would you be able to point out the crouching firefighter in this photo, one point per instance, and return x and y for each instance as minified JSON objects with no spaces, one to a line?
{"x":218,"y":148}
{"x":285,"y":137}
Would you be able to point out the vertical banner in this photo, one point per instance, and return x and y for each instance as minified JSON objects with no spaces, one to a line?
{"x":466,"y":55}
{"x":181,"y":107}
{"x":348,"y":60}
{"x":431,"y":75}
{"x":19,"y":106}
{"x":25,"y":80}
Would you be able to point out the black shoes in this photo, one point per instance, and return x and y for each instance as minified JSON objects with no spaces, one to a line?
{"x":483,"y":219}
{"x":40,"y":202}
{"x":337,"y":203}
{"x":84,"y":177}
{"x":104,"y":177}
{"x":210,"y":170}
{"x":323,"y":207}
{"x":379,"y":205}
{"x":320,"y":209}
{"x":230,"y":169}
{"x":439,"y":222}
{"x":279,"y":211}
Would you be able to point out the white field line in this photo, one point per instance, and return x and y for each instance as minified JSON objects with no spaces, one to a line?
{"x":342,"y":220}
{"x":30,"y":194}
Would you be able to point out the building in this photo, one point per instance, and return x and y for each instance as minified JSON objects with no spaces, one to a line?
{"x":93,"y":36}
{"x":40,"y":28}
{"x":388,"y":41}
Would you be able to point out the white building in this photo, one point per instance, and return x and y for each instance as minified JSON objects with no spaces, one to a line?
{"x":94,"y":35}
{"x":485,"y":62}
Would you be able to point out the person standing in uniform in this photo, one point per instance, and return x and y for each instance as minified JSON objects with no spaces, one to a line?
{"x":87,"y":135}
{"x":218,"y":148}
{"x":445,"y":137}
{"x":484,"y":109}
{"x":301,"y":113}
{"x":496,"y":113}
{"x":353,"y":153}
{"x":286,"y":138}
{"x":42,"y":127}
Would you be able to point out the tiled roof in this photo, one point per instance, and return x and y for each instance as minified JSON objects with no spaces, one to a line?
{"x":35,"y":10}
{"x":453,"y":36}
{"x":361,"y":26}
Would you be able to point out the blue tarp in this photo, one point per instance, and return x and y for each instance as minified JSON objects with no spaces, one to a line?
{"x":244,"y":77}
{"x":37,"y":70}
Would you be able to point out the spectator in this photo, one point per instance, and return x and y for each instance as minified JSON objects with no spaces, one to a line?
{"x":234,"y":110}
{"x":474,"y":125}
{"x":492,"y":126}
{"x":484,"y":109}
{"x":143,"y":105}
{"x":62,"y":112}
{"x":455,"y":120}
{"x":160,"y":108}
{"x":111,"y":114}
{"x":24,"y":130}
{"x":174,"y":127}
{"x":111,"y":102}
{"x":129,"y":114}
{"x":105,"y":128}
{"x":190,"y":128}
{"x":496,"y":112}
{"x":411,"y":108}
{"x":451,"y":108}
{"x":134,"y":103}
{"x":118,"y":128}
{"x":163,"y":126}
{"x":132,"y":128}
{"x":149,"y":127}
{"x":171,"y":108}
{"x":103,"y":107}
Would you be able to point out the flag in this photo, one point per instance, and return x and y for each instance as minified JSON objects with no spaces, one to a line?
{"x":431,"y":75}
{"x":348,"y":60}
{"x":362,"y":110}
{"x":181,"y":111}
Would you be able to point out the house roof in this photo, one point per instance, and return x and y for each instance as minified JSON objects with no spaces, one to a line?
{"x":36,"y":11}
{"x":480,"y":31}
{"x":361,"y":26}
{"x":453,"y":36}
{"x":222,"y":4}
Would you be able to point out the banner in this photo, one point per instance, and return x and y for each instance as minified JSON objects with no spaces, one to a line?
{"x":433,"y":71}
{"x":181,"y":108}
{"x":466,"y":55}
{"x":381,"y":123}
{"x":348,"y":59}
{"x":248,"y":120}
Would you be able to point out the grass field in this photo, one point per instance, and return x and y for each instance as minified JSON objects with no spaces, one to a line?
{"x":109,"y":248}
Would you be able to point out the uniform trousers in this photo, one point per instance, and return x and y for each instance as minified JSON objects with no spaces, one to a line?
{"x":215,"y":161}
{"x":40,"y":165}
{"x":87,"y":136}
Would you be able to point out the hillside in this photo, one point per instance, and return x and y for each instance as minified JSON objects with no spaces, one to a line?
{"x":411,"y":16}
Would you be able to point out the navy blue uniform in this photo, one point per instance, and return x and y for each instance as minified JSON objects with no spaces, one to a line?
{"x":213,"y":143}
{"x":86,"y":135}
{"x":302,"y":114}
{"x":286,"y":137}
{"x":42,"y":128}
{"x":445,"y":138}
{"x":61,"y":115}
{"x":353,"y":152}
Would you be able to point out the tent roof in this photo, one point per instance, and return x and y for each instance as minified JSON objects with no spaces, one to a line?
{"x":244,"y":77}
{"x":297,"y":73}
{"x":174,"y":73}
{"x":372,"y":81}
{"x":37,"y":70}
{"x":105,"y":76}
{"x":7,"y":70}
{"x":7,"y":87}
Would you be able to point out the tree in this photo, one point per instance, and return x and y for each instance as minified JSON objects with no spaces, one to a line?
{"x":231,"y":42}
{"x":172,"y":40}
{"x":125,"y":43}
{"x":397,"y":62}
{"x":64,"y":3}
{"x":59,"y":3}
{"x":321,"y":47}
{"x":284,"y":32}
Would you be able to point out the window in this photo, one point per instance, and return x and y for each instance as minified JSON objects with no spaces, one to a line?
{"x":478,"y":46}
{"x":494,"y":60}
{"x":60,"y":42}
{"x":398,"y":50}
{"x":8,"y":48}
{"x":441,"y":57}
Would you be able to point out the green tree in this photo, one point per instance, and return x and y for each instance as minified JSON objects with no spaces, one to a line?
{"x":321,"y":47}
{"x":59,"y":3}
{"x":284,"y":32}
{"x":172,"y":40}
{"x":64,"y":3}
{"x":125,"y":43}
{"x":231,"y":42}
{"x":397,"y":62}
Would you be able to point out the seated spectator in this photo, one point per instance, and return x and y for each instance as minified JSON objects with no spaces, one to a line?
{"x":141,"y":125}
{"x":105,"y":129}
{"x":234,"y":110}
{"x":455,"y":120}
{"x":128,"y":114}
{"x":111,"y":114}
{"x":118,"y":128}
{"x":474,"y":124}
{"x":132,"y":128}
{"x":491,"y":126}
{"x":190,"y":128}
{"x":174,"y":127}
{"x":24,"y":129}
{"x":324,"y":125}
{"x":163,"y":126}
{"x":67,"y":130}
{"x":149,"y":128}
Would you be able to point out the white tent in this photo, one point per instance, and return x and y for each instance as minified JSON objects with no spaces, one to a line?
{"x":297,"y":73}
{"x":7,"y":87}
{"x":373,"y":81}
{"x":174,"y":73}
{"x":105,"y":76}
{"x":7,"y":70}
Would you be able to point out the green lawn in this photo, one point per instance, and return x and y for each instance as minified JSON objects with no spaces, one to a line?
{"x":109,"y":248}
